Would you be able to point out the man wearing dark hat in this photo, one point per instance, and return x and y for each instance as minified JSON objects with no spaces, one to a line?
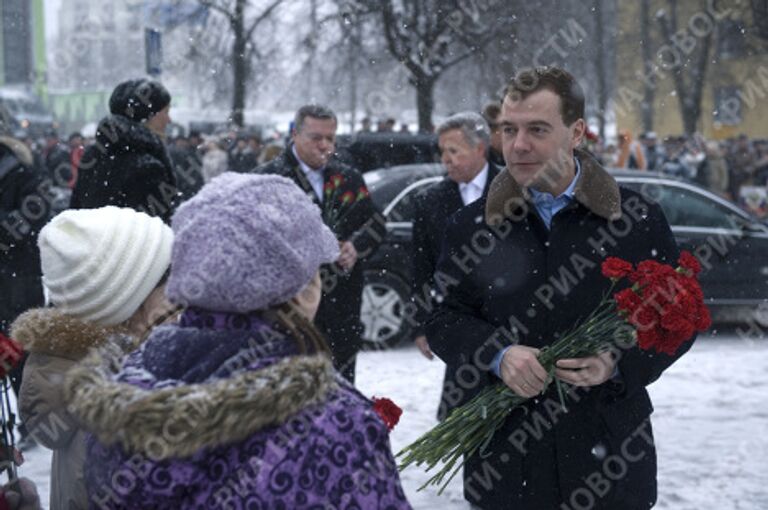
{"x":129,"y":165}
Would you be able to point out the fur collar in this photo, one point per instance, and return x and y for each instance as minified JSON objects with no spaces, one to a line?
{"x":596,"y":190}
{"x":178,"y":421}
{"x":120,"y":135}
{"x":48,"y":331}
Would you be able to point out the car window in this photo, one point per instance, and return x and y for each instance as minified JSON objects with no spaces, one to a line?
{"x":403,"y":210}
{"x":686,"y":208}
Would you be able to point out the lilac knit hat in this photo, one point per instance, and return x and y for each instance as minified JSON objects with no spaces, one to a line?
{"x":246,"y":242}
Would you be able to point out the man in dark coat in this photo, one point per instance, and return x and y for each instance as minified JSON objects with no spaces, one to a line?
{"x":25,"y":207}
{"x":521,"y":267}
{"x":340,"y":192}
{"x":57,"y":160}
{"x":129,"y":165}
{"x":24,"y":210}
{"x":464,"y":140}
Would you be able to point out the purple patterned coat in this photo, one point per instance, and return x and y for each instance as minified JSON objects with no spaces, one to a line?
{"x":220,"y":412}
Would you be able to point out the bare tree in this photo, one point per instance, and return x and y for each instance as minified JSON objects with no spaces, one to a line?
{"x":428,"y":37}
{"x":600,"y":71}
{"x":689,"y":69}
{"x":649,"y":84}
{"x":244,"y":49}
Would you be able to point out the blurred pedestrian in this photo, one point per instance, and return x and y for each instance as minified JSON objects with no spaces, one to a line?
{"x":654,"y":152}
{"x":129,"y":165}
{"x":76,"y":151}
{"x":629,"y":153}
{"x":104,"y":269}
{"x":340,"y":192}
{"x":25,"y":206}
{"x":714,"y":170}
{"x":491,"y":113}
{"x":242,"y":157}
{"x":237,"y":405}
{"x":215,"y":159}
{"x":741,"y":159}
{"x":57,"y":159}
{"x":187,"y":167}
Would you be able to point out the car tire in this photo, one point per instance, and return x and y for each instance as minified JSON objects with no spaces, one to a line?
{"x":383,"y":310}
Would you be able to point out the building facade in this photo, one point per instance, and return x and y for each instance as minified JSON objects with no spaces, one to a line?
{"x":706,"y":52}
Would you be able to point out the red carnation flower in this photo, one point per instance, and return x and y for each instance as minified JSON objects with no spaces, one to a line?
{"x":615,"y":268}
{"x":337,"y":180}
{"x":690,"y":262}
{"x":388,"y":411}
{"x":347,"y":197}
{"x":10,"y":354}
{"x":627,"y":300}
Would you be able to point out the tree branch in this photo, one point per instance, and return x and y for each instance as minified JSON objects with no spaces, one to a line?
{"x":216,"y":7}
{"x":264,"y":15}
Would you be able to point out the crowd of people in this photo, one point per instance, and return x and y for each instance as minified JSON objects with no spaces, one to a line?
{"x":724,"y":167}
{"x":197,"y":344}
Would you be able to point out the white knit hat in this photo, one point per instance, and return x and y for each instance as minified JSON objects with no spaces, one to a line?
{"x":101,"y":264}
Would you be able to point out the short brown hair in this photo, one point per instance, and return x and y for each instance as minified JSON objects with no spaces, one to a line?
{"x":491,"y":112}
{"x":557,"y":80}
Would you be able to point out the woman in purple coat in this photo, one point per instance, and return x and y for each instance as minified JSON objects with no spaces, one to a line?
{"x":238,"y":405}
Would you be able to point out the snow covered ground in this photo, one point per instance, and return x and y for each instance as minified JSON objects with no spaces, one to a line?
{"x":710,"y":423}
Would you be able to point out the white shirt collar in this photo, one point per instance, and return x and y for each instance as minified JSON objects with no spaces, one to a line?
{"x":478,"y":182}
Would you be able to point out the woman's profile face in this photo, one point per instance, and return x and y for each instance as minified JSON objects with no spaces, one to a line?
{"x":308,"y":299}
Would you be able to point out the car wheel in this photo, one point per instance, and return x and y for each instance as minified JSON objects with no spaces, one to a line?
{"x":383,"y":310}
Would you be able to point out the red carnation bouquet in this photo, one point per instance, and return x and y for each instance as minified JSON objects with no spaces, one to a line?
{"x":387,"y":411}
{"x":339,"y":200}
{"x":661,"y":309}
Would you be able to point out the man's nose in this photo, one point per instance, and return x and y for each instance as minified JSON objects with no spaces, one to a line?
{"x":521,"y":142}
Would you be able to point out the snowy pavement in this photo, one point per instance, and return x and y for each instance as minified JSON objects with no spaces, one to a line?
{"x":710,"y":424}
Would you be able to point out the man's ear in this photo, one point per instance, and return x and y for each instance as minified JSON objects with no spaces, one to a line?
{"x":579,"y":129}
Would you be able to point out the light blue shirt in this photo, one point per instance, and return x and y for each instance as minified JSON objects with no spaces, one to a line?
{"x":547,"y":206}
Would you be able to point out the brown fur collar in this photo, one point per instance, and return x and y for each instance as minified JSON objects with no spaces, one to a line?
{"x":596,"y":190}
{"x":181,"y":420}
{"x":48,"y":331}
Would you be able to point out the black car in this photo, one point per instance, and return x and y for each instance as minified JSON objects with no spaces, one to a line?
{"x":371,"y":151}
{"x":731,"y":244}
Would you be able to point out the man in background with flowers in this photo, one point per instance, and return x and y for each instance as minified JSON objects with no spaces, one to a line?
{"x":340,"y":192}
{"x":524,"y":266}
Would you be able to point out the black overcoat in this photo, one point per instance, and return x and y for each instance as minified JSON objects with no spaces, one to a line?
{"x":432,"y":210}
{"x":506,"y":278}
{"x":128,"y":166}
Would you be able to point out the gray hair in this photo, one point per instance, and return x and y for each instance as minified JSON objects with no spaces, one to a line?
{"x":472,"y":125}
{"x":316,"y":111}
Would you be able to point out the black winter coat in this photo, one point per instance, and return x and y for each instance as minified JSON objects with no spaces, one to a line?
{"x":339,"y":314}
{"x":432,"y":210}
{"x":128,"y":166}
{"x":24,"y":209}
{"x":506,"y":279}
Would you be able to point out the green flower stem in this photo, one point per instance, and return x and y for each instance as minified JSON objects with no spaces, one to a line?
{"x":470,"y":428}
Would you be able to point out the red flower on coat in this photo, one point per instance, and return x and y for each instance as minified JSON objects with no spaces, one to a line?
{"x":388,"y":411}
{"x":10,"y":354}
